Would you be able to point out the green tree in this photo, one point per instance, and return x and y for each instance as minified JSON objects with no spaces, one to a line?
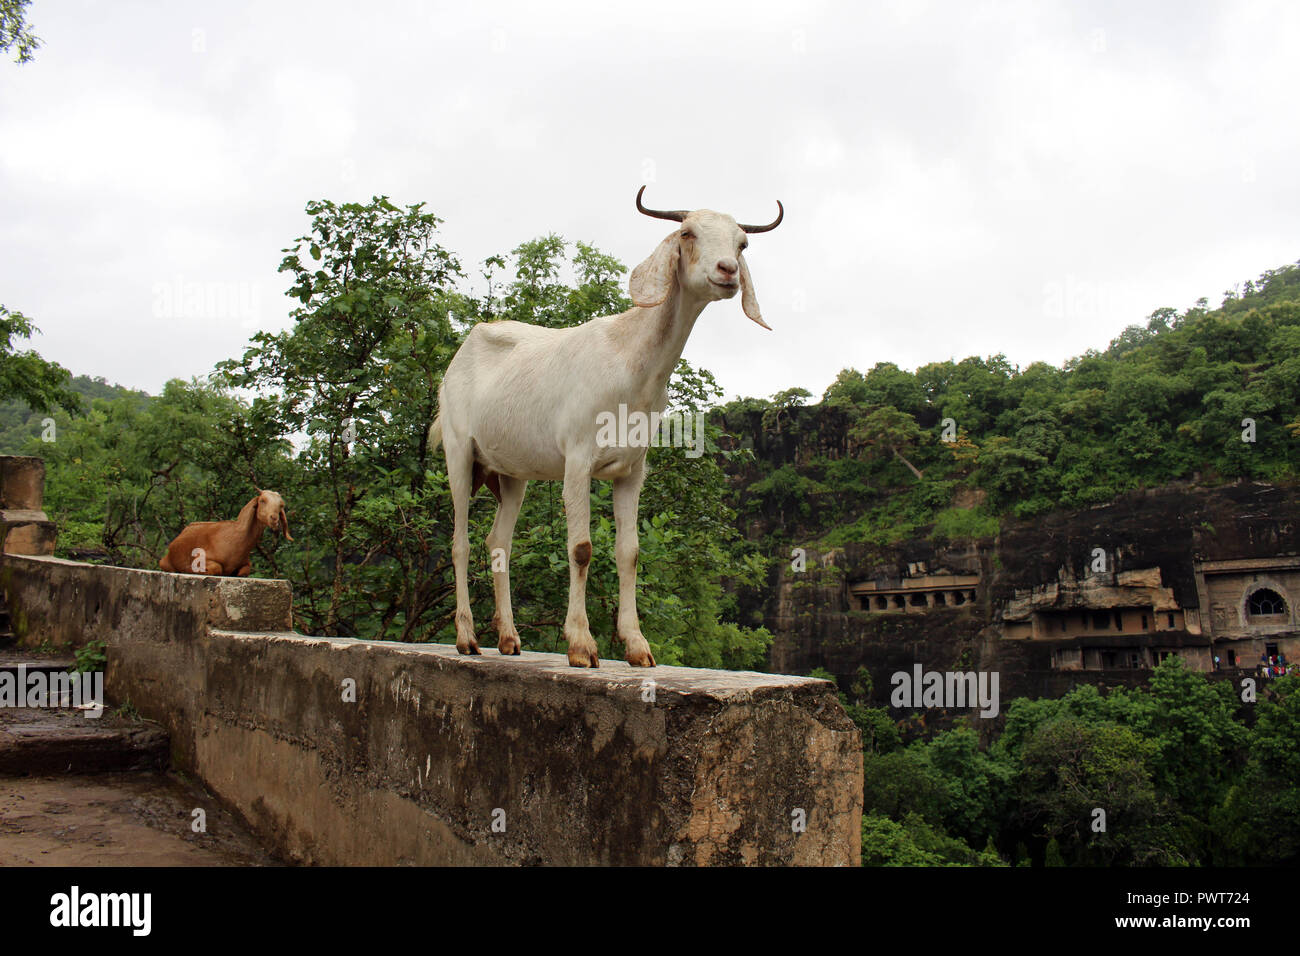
{"x":783,"y":405}
{"x":15,"y":31}
{"x":913,"y":842}
{"x":124,"y":478}
{"x":1070,"y":770}
{"x":358,"y":374}
{"x":1260,"y":817}
{"x":886,"y":429}
{"x":25,"y":375}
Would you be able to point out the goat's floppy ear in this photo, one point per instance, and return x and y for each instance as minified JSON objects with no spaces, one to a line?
{"x":284,"y":524}
{"x":749,"y":301}
{"x":653,"y":279}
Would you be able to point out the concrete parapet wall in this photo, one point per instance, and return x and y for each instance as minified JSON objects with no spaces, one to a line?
{"x":155,"y":624}
{"x":356,"y":752}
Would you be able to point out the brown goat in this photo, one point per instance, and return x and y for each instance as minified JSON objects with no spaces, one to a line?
{"x":224,"y":547}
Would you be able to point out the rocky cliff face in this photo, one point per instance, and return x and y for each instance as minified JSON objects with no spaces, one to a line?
{"x":1139,"y":552}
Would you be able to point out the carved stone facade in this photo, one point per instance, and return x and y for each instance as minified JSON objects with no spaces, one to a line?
{"x":1250,"y":604}
{"x":915,"y":592}
{"x":1247,"y":616}
{"x":1183,"y":565}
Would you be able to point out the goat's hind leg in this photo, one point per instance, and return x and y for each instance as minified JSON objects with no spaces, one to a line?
{"x":499,"y":544}
{"x":460,"y":477}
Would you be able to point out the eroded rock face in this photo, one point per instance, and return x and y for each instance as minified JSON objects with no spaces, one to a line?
{"x":1124,"y":589}
{"x":1151,"y":541}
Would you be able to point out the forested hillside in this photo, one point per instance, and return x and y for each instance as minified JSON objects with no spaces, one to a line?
{"x":1201,"y":395}
{"x":19,"y":425}
{"x":1186,"y":772}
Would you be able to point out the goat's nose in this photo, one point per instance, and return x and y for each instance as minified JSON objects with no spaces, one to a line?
{"x":728,"y":266}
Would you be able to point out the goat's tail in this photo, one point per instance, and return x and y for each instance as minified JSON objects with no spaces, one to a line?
{"x":435,"y":433}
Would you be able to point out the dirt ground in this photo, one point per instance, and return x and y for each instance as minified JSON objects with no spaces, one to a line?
{"x":118,"y":819}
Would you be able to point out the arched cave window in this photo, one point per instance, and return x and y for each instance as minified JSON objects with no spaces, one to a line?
{"x":1265,"y":602}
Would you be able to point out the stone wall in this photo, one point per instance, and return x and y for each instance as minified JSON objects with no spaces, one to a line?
{"x":24,"y":527}
{"x":339,"y":751}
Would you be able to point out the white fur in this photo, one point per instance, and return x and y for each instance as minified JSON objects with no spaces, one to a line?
{"x":524,"y":401}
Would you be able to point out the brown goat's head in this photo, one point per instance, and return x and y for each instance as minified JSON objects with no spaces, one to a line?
{"x":270,"y":511}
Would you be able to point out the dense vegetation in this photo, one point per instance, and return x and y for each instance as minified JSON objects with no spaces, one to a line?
{"x":880,"y":458}
{"x":1185,"y":773}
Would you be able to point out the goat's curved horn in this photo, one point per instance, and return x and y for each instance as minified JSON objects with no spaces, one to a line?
{"x":780,"y":214}
{"x":673,"y":215}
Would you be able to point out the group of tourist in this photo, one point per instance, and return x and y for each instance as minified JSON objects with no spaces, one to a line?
{"x":1273,"y":665}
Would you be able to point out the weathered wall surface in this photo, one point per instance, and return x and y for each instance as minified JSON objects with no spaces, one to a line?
{"x":156,"y":624}
{"x":572,"y":766}
{"x":24,"y":527}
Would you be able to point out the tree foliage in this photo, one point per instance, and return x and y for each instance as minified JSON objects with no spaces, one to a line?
{"x":1175,"y":773}
{"x":1207,"y":396}
{"x":333,"y":413}
{"x":25,"y":376}
{"x":15,"y":33}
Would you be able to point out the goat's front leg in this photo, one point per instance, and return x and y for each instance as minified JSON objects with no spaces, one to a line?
{"x":499,"y":543}
{"x":577,"y":509}
{"x":627,"y":495}
{"x":460,"y":475}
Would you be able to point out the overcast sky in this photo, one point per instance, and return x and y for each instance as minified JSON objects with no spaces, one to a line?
{"x":959,"y":178}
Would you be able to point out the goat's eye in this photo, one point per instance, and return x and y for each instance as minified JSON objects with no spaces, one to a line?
{"x":744,"y":246}
{"x":688,"y":235}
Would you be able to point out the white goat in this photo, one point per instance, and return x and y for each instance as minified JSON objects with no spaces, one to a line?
{"x":522,"y":402}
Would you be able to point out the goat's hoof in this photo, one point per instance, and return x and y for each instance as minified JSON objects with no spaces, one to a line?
{"x":583,"y":658}
{"x":509,"y":645}
{"x":638,"y":650}
{"x":469,"y":646}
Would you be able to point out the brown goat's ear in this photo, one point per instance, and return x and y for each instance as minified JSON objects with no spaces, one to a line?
{"x":284,"y":524}
{"x":653,"y":279}
{"x":749,"y":301}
